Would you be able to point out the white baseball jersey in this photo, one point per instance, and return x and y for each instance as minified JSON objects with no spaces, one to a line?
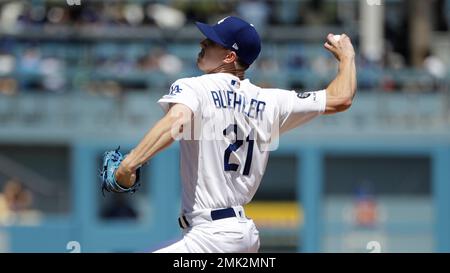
{"x":224,"y":153}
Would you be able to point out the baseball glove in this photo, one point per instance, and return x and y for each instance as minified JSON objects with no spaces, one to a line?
{"x":111,"y":162}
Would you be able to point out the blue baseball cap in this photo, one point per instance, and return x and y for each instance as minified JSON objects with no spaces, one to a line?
{"x":235,"y":34}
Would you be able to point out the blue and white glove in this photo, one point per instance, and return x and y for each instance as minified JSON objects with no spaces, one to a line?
{"x":111,"y":162}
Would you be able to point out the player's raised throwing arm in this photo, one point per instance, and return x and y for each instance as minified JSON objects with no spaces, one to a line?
{"x":157,"y":138}
{"x":341,"y":90}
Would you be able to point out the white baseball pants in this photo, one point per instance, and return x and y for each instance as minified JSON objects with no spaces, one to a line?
{"x":204,"y":235}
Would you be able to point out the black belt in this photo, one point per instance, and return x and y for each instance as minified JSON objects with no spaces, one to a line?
{"x":222,"y":213}
{"x":215,"y":215}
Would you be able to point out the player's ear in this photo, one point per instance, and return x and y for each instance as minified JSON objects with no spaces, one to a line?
{"x":231,"y":57}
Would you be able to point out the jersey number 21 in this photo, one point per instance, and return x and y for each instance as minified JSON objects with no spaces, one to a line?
{"x":233,"y":147}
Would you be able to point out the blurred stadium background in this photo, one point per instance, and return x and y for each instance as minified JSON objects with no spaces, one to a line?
{"x":76,"y":80}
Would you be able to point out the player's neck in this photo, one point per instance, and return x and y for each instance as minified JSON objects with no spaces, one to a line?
{"x":229,"y":68}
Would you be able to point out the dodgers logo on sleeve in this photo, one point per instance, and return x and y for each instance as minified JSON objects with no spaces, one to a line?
{"x":175,"y":89}
{"x":303,"y":95}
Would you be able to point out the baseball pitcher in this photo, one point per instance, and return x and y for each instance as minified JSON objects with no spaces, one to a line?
{"x":226,"y":126}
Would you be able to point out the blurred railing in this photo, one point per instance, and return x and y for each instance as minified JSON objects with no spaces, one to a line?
{"x":73,"y":116}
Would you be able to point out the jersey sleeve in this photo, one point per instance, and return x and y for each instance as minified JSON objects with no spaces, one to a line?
{"x":181,"y":91}
{"x":297,"y":108}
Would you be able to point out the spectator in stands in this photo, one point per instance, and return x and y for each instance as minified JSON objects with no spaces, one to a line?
{"x":436,"y":67}
{"x":8,"y":86}
{"x":254,"y":11}
{"x":53,"y":72}
{"x":28,"y":67}
{"x":14,"y":199}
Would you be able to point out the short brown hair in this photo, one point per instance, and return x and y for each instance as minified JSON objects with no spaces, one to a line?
{"x":242,"y":65}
